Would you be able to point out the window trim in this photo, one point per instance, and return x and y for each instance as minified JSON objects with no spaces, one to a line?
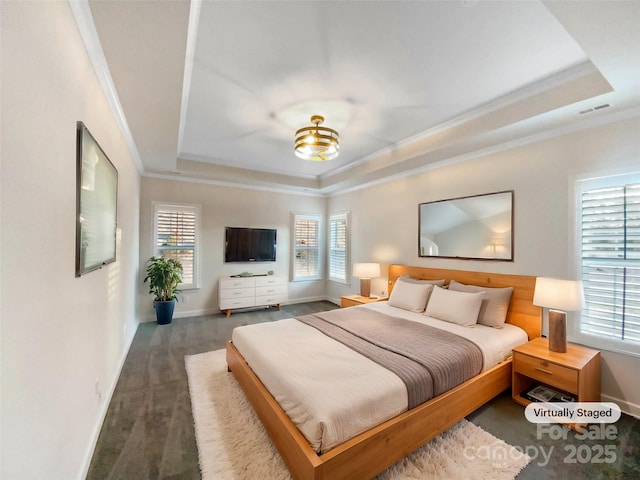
{"x":580,"y":185}
{"x":347,"y":248}
{"x":185,"y":207}
{"x":307,"y":216}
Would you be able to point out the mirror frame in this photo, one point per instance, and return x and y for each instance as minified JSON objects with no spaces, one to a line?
{"x":493,"y":259}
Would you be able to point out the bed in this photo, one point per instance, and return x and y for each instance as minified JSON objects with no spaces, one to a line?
{"x":365,"y":454}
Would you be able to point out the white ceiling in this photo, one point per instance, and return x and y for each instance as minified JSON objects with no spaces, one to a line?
{"x":214,"y":91}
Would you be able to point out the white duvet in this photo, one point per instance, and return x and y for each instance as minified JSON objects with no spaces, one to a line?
{"x":332,"y":393}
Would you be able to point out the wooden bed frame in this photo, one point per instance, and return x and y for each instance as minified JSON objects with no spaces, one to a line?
{"x":370,"y":452}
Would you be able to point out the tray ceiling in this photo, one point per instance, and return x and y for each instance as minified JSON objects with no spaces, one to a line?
{"x":214,"y":91}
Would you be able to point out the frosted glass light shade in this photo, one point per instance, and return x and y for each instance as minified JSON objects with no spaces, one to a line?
{"x":566,"y":295}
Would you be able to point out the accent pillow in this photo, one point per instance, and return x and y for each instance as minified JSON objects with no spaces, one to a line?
{"x":455,"y":307}
{"x":410,"y":279}
{"x":410,"y":296}
{"x":495,"y":303}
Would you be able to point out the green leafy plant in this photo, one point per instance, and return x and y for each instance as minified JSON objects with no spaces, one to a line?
{"x":164,"y":276}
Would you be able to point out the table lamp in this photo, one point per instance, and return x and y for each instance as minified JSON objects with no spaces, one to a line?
{"x":365,"y":272}
{"x":559,"y":296}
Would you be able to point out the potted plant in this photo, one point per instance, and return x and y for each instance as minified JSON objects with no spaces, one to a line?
{"x":164,"y":276}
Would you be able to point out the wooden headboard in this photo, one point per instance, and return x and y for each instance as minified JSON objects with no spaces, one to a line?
{"x":522,"y":312}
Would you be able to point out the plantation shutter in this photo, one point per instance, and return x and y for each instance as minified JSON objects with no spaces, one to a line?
{"x":610,"y":243}
{"x":306,"y":264}
{"x":176,"y":231}
{"x":338,"y":247}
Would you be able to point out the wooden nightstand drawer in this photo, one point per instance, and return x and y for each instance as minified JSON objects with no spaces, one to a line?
{"x":577,"y":371}
{"x":354,"y":300}
{"x":348,"y":302}
{"x":547,"y":372}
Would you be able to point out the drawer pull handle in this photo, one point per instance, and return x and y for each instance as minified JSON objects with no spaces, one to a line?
{"x":544,"y":371}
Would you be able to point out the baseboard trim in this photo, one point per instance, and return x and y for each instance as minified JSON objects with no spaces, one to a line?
{"x":151,"y":317}
{"x":195,"y":313}
{"x":105,"y":407}
{"x":319,"y":298}
{"x":214,"y":311}
{"x":629,"y":408}
{"x":335,"y":301}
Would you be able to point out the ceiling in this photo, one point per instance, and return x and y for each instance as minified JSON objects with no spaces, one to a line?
{"x":214,"y":91}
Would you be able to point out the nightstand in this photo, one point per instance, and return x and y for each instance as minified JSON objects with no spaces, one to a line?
{"x":351,"y":300}
{"x":576,"y":372}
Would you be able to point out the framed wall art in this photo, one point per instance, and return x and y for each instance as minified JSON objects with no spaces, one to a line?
{"x":96,"y":204}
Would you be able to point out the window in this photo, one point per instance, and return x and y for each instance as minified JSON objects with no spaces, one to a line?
{"x":610,"y":263}
{"x":306,"y":251}
{"x":338,"y":247}
{"x":175,"y":236}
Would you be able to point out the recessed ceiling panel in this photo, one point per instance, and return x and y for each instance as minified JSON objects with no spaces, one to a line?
{"x":379,"y":72}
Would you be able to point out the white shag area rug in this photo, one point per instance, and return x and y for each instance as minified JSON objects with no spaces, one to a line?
{"x":232,"y":443}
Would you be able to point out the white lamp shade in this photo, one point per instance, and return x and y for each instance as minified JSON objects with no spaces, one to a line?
{"x":566,"y":295}
{"x":366,"y":270}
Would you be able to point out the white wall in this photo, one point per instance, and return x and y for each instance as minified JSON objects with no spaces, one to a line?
{"x":225,"y":207}
{"x":385,"y":217}
{"x":59,"y":334}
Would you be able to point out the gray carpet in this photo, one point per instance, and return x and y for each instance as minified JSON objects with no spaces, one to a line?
{"x":148,"y":432}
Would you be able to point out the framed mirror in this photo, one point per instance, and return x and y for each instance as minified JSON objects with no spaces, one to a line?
{"x":478,"y":227}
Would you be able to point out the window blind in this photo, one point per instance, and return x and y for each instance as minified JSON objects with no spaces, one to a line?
{"x":610,"y":243}
{"x":176,"y":238}
{"x":307,"y":247}
{"x":338,"y":247}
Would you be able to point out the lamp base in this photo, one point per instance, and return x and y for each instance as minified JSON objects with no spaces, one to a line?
{"x":365,"y":287}
{"x":557,"y":331}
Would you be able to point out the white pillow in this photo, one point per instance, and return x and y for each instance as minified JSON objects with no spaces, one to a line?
{"x":455,"y":307}
{"x":495,"y":303}
{"x":410,"y":296}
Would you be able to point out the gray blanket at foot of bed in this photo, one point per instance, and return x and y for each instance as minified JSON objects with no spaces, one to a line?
{"x":429,"y":360}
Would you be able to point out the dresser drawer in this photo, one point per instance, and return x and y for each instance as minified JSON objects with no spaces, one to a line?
{"x":237,"y":283}
{"x":237,"y":292}
{"x":271,"y":290}
{"x":546,"y":372}
{"x":229,"y":303}
{"x":270,"y":280}
{"x":275,"y":299}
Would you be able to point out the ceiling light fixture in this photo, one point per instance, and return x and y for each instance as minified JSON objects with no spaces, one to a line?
{"x":317,"y":143}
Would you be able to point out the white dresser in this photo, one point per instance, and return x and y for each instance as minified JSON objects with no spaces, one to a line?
{"x":246,"y":292}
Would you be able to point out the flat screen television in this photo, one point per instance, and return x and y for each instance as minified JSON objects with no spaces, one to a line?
{"x":249,"y":244}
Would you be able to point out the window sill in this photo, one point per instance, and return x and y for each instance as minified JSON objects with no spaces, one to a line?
{"x":615,"y":346}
